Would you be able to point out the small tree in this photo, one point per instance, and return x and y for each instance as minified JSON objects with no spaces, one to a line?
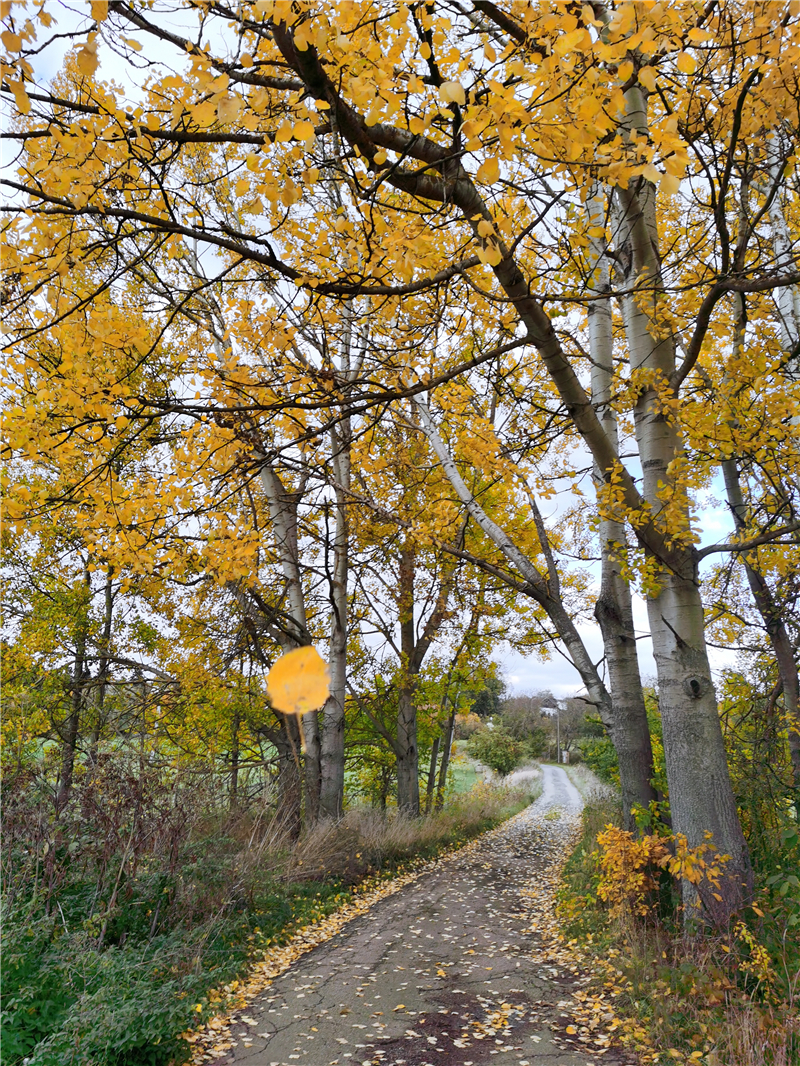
{"x":496,"y":749}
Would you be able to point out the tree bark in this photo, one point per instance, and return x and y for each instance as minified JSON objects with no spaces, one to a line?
{"x":630,"y":733}
{"x":102,"y":669}
{"x":448,"y":747}
{"x":407,"y":753}
{"x":283,"y":506}
{"x":774,"y":625}
{"x":290,"y":781}
{"x":234,"y":785}
{"x":701,"y":795}
{"x":332,"y":747}
{"x":80,"y":675}
{"x":431,"y":783}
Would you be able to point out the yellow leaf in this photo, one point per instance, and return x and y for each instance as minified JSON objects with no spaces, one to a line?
{"x":99,"y":10}
{"x":570,"y":41}
{"x":669,"y":184}
{"x":20,"y":96}
{"x":686,"y":64}
{"x":303,"y":130}
{"x":571,"y":1030}
{"x":491,"y":254}
{"x":647,"y":77}
{"x":246,"y":59}
{"x":624,"y":70}
{"x":488,"y":171}
{"x":131,"y":43}
{"x":228,"y":108}
{"x":11,"y":41}
{"x":87,"y":58}
{"x":298,"y":682}
{"x":400,"y":1006}
{"x":452,"y":92}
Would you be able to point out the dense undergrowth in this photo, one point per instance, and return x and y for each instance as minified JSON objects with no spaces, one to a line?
{"x":728,"y":998}
{"x":124,"y":913}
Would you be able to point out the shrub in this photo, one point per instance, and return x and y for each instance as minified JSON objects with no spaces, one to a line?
{"x":466,"y":725}
{"x":496,"y":749}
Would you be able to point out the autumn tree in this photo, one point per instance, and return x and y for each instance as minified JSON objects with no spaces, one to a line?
{"x":469,"y":143}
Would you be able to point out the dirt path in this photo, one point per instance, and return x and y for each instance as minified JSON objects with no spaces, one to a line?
{"x":444,"y":972}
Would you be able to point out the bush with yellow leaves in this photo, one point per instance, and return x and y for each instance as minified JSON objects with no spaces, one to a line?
{"x":630,"y":867}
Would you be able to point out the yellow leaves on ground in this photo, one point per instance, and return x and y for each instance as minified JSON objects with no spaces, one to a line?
{"x":298,"y":682}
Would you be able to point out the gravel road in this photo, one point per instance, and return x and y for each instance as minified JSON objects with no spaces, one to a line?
{"x":443,"y":973}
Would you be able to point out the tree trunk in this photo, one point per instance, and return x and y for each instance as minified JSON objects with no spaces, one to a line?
{"x":290,"y":790}
{"x":701,"y":795}
{"x":448,"y":747}
{"x":332,"y":752}
{"x":630,"y":731}
{"x":773,"y":623}
{"x":431,"y":784}
{"x":102,"y":669}
{"x":407,"y":754}
{"x":80,"y":675}
{"x":283,"y":512}
{"x":234,"y":785}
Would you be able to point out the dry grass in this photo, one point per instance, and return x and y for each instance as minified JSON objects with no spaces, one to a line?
{"x":588,"y":783}
{"x":366,"y":839}
{"x":756,"y":1035}
{"x":683,"y":999}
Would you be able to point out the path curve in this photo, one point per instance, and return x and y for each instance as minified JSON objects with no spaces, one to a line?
{"x":445,"y":972}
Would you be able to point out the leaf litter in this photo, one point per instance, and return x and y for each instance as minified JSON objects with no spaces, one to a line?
{"x":565,"y":1003}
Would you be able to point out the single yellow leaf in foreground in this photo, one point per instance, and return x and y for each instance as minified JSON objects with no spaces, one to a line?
{"x":298,"y":682}
{"x":452,"y":92}
{"x":488,"y":171}
{"x":686,"y":63}
{"x":400,"y":1006}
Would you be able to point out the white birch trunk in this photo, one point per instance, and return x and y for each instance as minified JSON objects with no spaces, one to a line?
{"x":701,"y":795}
{"x":332,"y":746}
{"x":283,"y":512}
{"x":787,"y":298}
{"x":614,"y":612}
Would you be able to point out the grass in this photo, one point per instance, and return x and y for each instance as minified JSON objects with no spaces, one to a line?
{"x":587,"y":782}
